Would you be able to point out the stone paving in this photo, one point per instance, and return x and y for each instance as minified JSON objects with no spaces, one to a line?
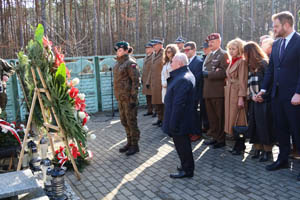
{"x":145,"y":176}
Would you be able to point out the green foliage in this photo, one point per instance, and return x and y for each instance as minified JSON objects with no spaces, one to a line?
{"x":60,"y":75}
{"x":39,"y":34}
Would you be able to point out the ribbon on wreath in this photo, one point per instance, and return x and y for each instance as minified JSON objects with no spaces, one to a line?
{"x":6,"y":126}
{"x":61,"y":156}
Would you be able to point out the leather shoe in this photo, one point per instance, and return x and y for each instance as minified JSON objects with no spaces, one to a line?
{"x":157,"y":123}
{"x":154,"y":115}
{"x":182,"y":174}
{"x":210,"y":142}
{"x":146,"y":114}
{"x":265,"y":156}
{"x":256,"y":154}
{"x":194,"y":138}
{"x":298,"y":177}
{"x":277,"y":165}
{"x":219,"y":145}
{"x":124,"y":148}
{"x":132,"y":150}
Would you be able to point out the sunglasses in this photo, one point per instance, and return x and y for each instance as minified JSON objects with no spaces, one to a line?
{"x":187,"y":50}
{"x":169,"y":51}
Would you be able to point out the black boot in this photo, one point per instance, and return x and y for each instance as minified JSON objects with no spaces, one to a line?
{"x":124,"y":148}
{"x":132,"y":150}
{"x":256,"y":154}
{"x":265,"y":156}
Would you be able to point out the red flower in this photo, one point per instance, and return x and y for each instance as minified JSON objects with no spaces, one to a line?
{"x":84,"y":121}
{"x":59,"y":57}
{"x":79,"y":104}
{"x":47,"y":42}
{"x":73,"y":92}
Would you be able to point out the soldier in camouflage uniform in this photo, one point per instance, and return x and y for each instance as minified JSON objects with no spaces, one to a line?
{"x":126,"y":84}
{"x":6,"y":70}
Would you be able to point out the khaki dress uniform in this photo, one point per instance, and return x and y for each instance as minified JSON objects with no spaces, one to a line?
{"x":213,"y":92}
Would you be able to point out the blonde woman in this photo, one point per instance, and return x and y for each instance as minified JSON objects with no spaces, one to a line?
{"x":236,"y":92}
{"x":170,"y":52}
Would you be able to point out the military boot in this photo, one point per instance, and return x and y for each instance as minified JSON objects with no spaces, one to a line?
{"x":132,"y":150}
{"x":124,"y":148}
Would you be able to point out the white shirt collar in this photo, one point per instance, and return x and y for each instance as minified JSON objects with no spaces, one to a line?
{"x":213,"y":53}
{"x":289,"y":37}
{"x":191,"y":59}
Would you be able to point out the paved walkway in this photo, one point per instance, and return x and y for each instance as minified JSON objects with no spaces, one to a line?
{"x":145,"y":176}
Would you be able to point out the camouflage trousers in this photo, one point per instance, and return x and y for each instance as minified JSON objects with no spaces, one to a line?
{"x":128,"y":116}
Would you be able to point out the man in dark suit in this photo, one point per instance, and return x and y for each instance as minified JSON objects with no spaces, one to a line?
{"x":195,"y":65}
{"x":178,"y":106}
{"x":214,"y":73}
{"x":283,"y":78}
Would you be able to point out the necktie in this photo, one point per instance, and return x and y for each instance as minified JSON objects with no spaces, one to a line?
{"x":282,"y":49}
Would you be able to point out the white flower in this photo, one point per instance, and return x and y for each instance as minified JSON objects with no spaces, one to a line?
{"x":75,"y":81}
{"x":81,"y":115}
{"x":81,"y":96}
{"x":12,"y":125}
{"x":85,"y":128}
{"x":93,"y":136}
{"x":69,"y":90}
{"x":22,"y":126}
{"x":4,"y":130}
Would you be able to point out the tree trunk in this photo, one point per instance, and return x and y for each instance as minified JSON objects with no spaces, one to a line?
{"x":137,"y":24}
{"x":150,"y":20}
{"x":95,"y":23}
{"x":50,"y":19}
{"x":43,"y":11}
{"x":109,"y":27}
{"x":66,"y":20}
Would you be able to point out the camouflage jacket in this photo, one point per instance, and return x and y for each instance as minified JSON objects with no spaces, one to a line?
{"x":126,"y":79}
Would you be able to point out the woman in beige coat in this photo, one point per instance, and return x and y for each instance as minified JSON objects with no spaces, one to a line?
{"x":236,"y":92}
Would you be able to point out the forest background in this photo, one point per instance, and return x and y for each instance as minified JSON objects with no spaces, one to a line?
{"x":91,"y":27}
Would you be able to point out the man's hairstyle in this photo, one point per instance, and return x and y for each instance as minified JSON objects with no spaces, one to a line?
{"x":182,"y":58}
{"x":284,"y":17}
{"x":190,"y":44}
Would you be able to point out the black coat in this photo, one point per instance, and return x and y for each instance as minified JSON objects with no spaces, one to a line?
{"x":179,"y":102}
{"x":261,"y":129}
{"x":196,"y":68}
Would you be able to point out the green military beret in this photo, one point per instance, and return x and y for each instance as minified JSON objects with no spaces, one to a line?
{"x":121,"y":44}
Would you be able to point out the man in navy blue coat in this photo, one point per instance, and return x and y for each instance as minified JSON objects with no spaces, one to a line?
{"x":283,"y":78}
{"x":195,"y":65}
{"x":178,"y":121}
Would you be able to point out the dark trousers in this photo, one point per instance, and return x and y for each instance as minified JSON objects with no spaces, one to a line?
{"x":159,"y":108}
{"x":149,"y":104}
{"x":184,"y":150}
{"x":215,"y":114}
{"x":203,"y":115}
{"x":286,"y":118}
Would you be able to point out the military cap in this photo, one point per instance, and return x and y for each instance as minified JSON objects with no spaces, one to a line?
{"x":157,"y":41}
{"x":149,"y":44}
{"x":205,"y":44}
{"x":179,"y":40}
{"x":121,"y":44}
{"x":213,"y":36}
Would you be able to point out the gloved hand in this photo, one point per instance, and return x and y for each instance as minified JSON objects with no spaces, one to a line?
{"x":205,"y":74}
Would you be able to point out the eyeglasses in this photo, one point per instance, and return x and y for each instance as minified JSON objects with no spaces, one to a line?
{"x":169,"y":51}
{"x":187,"y":50}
